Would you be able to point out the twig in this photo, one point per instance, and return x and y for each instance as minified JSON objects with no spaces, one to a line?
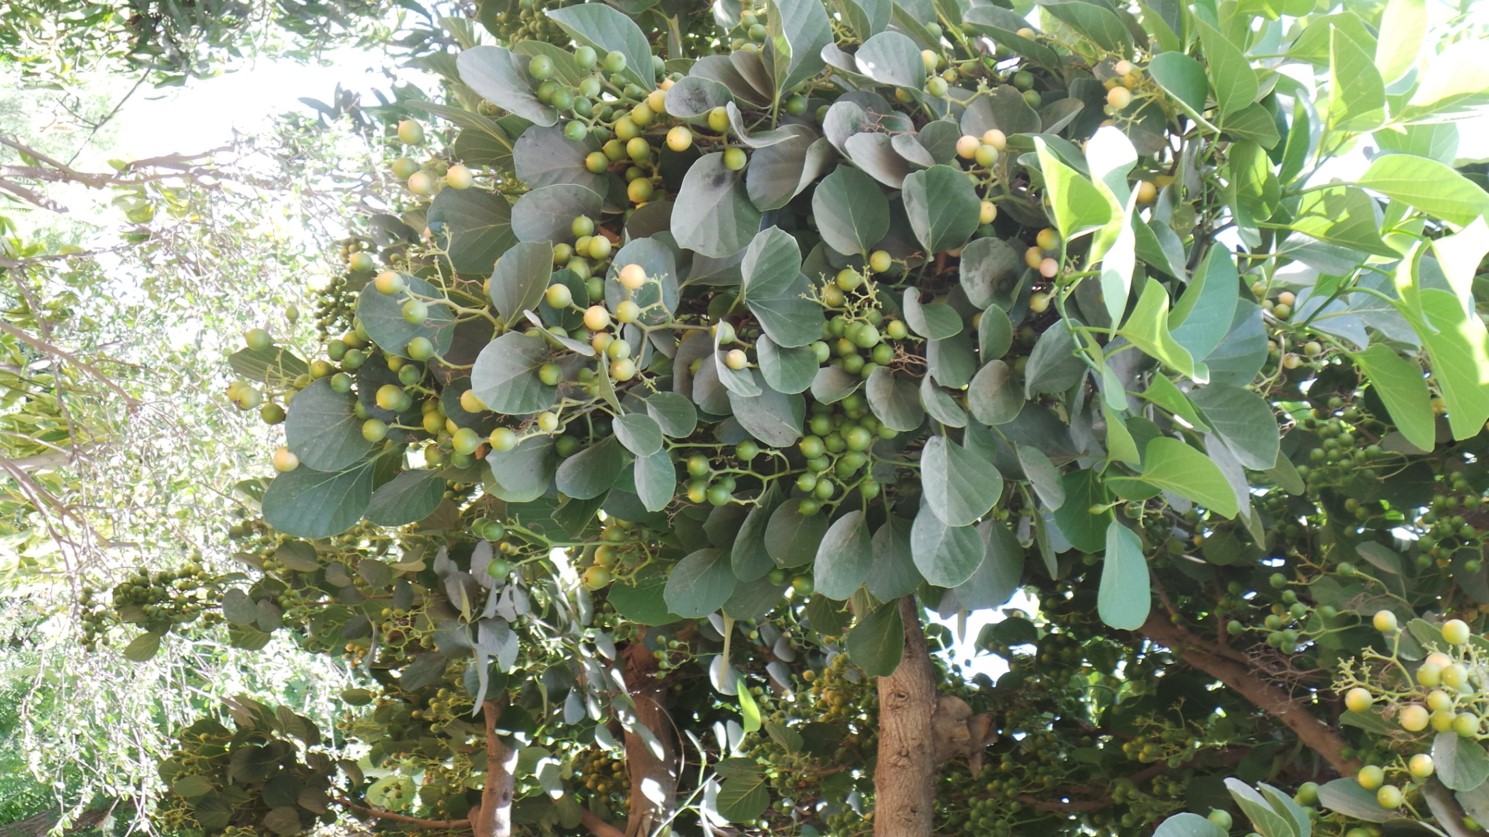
{"x":394,"y":816}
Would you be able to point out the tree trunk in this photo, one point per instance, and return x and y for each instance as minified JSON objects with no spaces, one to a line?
{"x":653,"y":779}
{"x":905,"y":774}
{"x":493,"y":817}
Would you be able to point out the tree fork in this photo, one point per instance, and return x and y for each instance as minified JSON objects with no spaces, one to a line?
{"x":1194,"y":650}
{"x":905,"y":773}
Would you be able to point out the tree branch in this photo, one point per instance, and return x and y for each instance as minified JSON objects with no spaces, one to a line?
{"x":58,"y":352}
{"x":1198,"y":652}
{"x":394,"y":816}
{"x":493,"y":817}
{"x":905,"y":771}
{"x":596,"y":826}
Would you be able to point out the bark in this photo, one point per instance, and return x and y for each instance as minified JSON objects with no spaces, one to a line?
{"x":43,"y":822}
{"x":905,"y":774}
{"x":1200,"y":653}
{"x":493,"y":817}
{"x":651,"y":777}
{"x":596,"y":826}
{"x":394,"y":816}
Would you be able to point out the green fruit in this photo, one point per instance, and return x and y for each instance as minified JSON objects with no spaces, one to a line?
{"x":615,"y":62}
{"x":258,"y":339}
{"x":540,"y":67}
{"x":735,"y":159}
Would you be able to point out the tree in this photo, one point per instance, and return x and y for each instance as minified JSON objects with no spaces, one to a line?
{"x":682,"y":387}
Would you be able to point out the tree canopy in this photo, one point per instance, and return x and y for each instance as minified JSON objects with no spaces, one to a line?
{"x":709,"y":351}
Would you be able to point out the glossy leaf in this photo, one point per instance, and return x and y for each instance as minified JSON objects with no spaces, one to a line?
{"x":1125,"y":595}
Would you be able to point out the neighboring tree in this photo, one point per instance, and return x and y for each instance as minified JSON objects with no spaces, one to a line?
{"x":711,"y":352}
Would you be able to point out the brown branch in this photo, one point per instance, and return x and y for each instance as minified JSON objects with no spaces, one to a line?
{"x":493,"y":817}
{"x":1197,"y":652}
{"x":647,"y":769}
{"x":906,"y":768}
{"x":394,"y":816}
{"x":596,"y":826}
{"x":58,"y":352}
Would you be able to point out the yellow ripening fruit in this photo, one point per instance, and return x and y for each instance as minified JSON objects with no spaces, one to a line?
{"x":1049,"y":268}
{"x":1047,"y":239}
{"x":966,"y":146}
{"x":1454,"y":676}
{"x":1455,"y":632}
{"x":987,"y":212}
{"x":1358,"y":699}
{"x":1146,"y":192}
{"x":459,"y":177}
{"x":596,"y":318}
{"x":632,"y":277}
{"x":1414,"y":717}
{"x":285,"y":460}
{"x":1033,"y":256}
{"x":1389,"y":796}
{"x":1421,"y":766}
{"x":679,"y":138}
{"x":1439,"y":659}
{"x":1119,"y":98}
{"x":1439,"y":701}
{"x":736,"y":359}
{"x":1384,"y":621}
{"x":1371,"y":776}
{"x":996,"y":138}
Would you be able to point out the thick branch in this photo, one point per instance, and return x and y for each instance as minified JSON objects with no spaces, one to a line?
{"x":905,"y":773}
{"x":1314,"y":733}
{"x":596,"y":826}
{"x":394,"y":816}
{"x":493,"y":817}
{"x":652,"y":777}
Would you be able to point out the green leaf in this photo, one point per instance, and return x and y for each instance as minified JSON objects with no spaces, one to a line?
{"x":1205,"y":311}
{"x":523,"y":473}
{"x":803,"y":28}
{"x":1093,"y":20}
{"x":238,"y":608}
{"x":877,"y":642}
{"x":959,"y":486}
{"x":1244,"y":420}
{"x":473,"y":226}
{"x":781,"y":171}
{"x":192,"y":786}
{"x":1054,"y":365}
{"x":520,"y":278}
{"x":700,"y":583}
{"x":790,"y":538}
{"x":1457,"y":80}
{"x":656,"y":480}
{"x":935,"y":320}
{"x":1402,"y":27}
{"x":1253,"y":184}
{"x":498,"y":76}
{"x":590,"y":472}
{"x":1427,"y":185}
{"x":505,"y":375}
{"x":142,"y":648}
{"x":712,"y":213}
{"x":1348,"y":798}
{"x":407,"y":498}
{"x":852,"y":211}
{"x":695,"y":96}
{"x":673,"y":413}
{"x":639,"y":432}
{"x":1147,"y":328}
{"x":306,"y":503}
{"x":1264,"y":817}
{"x":999,"y":574}
{"x":774,"y":418}
{"x":1189,"y":825}
{"x":548,"y":213}
{"x":743,"y":796}
{"x":844,"y":557}
{"x":942,"y":206}
{"x":1125,"y":596}
{"x":641,"y":601}
{"x":776,"y":291}
{"x":1403,"y":389}
{"x":609,"y":30}
{"x":891,"y":58}
{"x":786,"y":370}
{"x":1181,"y":77}
{"x":1171,"y":465}
{"x":994,"y":396}
{"x":893,"y":573}
{"x":1231,"y":76}
{"x":284,"y":820}
{"x":1076,"y":204}
{"x":989,"y":267}
{"x":1343,"y":215}
{"x":322,"y":429}
{"x":894,"y":399}
{"x":1357,"y":98}
{"x":945,"y":555}
{"x":276,"y":366}
{"x":1458,"y":345}
{"x":382,"y":316}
